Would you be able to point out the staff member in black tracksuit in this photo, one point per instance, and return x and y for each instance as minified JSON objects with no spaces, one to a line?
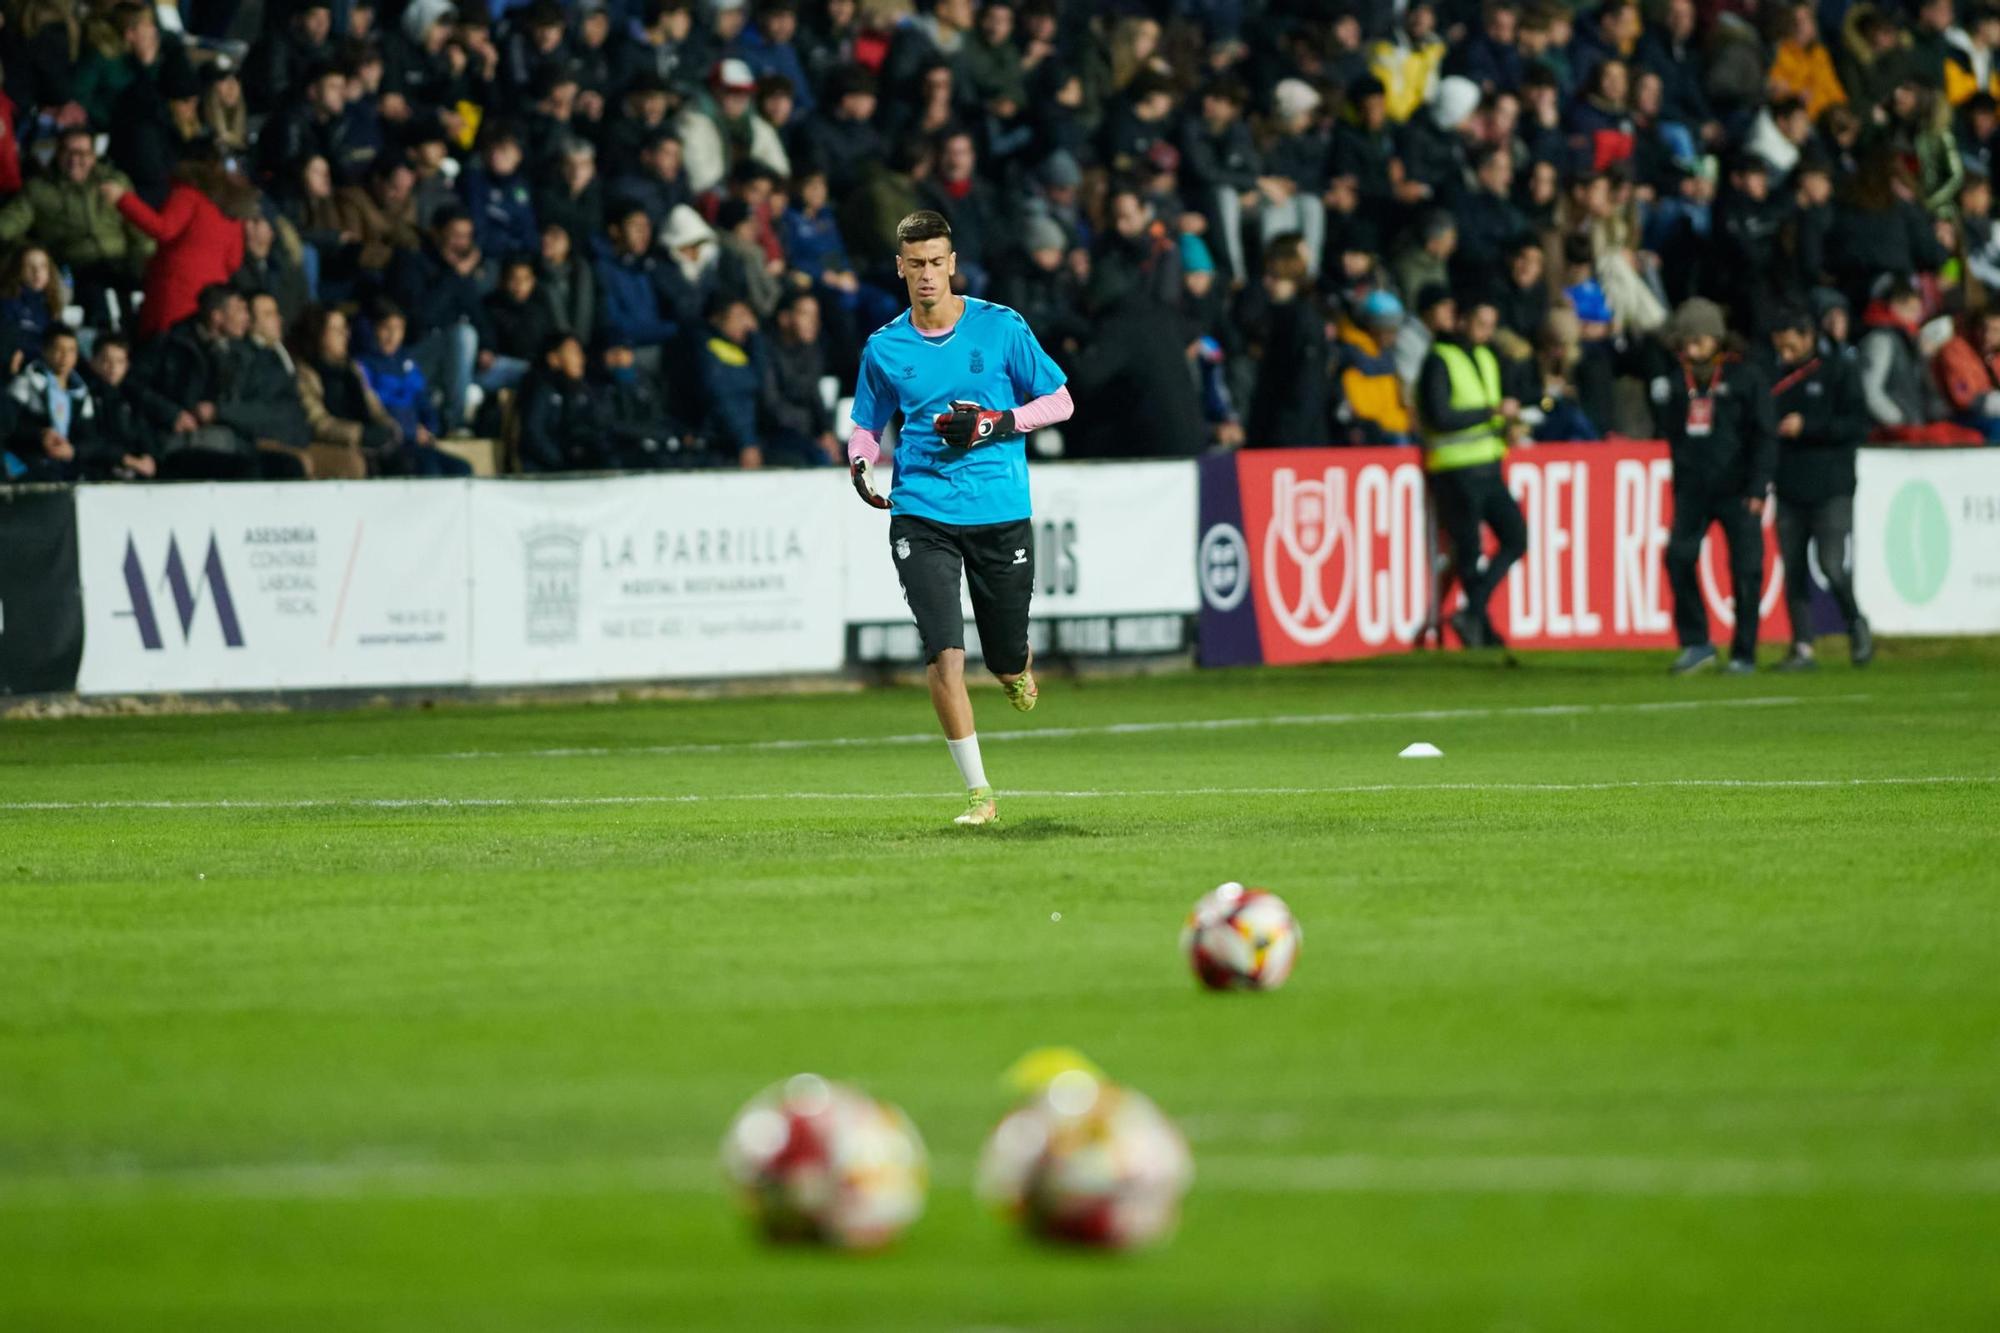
{"x":1821,"y":415}
{"x":1715,"y":412}
{"x":1466,"y":414}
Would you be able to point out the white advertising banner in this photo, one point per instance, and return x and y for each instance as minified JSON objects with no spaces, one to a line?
{"x":690,"y":576}
{"x":252,"y":586}
{"x":1927,"y":540}
{"x":1112,"y":540}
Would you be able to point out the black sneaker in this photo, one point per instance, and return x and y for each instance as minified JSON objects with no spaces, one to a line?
{"x":1468,"y":630}
{"x":1801,"y":658}
{"x":1493,"y":639}
{"x":1740,"y":666}
{"x":1861,"y":642}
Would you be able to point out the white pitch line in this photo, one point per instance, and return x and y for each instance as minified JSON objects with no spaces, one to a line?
{"x":698,"y":798}
{"x":1140,"y":728}
{"x":1305,"y":1173}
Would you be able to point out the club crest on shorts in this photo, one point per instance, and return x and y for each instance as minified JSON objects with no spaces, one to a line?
{"x":1020,"y":555}
{"x":978,"y":362}
{"x":902,"y":548}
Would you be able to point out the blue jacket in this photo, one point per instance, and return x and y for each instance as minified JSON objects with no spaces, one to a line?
{"x":731,"y":377}
{"x":405,"y":394}
{"x":765,"y":58}
{"x":812,"y":242}
{"x":632,"y":308}
{"x":503,"y":214}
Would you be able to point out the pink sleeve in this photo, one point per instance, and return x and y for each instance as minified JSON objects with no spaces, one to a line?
{"x":863,"y":444}
{"x":1044,"y":411}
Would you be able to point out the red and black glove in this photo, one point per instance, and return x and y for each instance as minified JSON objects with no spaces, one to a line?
{"x":968,"y":424}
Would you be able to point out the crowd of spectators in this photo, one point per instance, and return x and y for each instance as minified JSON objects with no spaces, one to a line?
{"x":283,"y":238}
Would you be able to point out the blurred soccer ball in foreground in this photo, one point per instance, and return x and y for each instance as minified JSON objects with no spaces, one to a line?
{"x":822,"y":1162}
{"x":1088,"y":1162}
{"x":1238,"y":938}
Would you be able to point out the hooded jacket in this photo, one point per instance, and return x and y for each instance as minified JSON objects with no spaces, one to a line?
{"x":1895,"y":388}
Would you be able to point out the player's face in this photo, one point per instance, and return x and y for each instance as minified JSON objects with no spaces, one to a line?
{"x":927,"y":266}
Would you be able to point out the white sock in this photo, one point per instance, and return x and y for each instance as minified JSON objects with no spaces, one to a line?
{"x":965,"y":754}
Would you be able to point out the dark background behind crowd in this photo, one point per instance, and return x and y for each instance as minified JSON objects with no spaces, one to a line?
{"x":295,"y":238}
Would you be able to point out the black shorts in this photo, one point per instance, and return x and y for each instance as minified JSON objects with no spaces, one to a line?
{"x":998,"y":560}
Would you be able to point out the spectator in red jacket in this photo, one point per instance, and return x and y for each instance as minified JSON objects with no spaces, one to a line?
{"x":200,"y":236}
{"x":1968,"y":370}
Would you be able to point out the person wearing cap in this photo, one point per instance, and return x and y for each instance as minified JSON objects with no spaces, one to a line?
{"x":1044,"y":289}
{"x":1433,"y":144}
{"x":1466,"y":415}
{"x":1820,"y":422}
{"x":1372,"y":402}
{"x":714,"y":140}
{"x":1715,"y":411}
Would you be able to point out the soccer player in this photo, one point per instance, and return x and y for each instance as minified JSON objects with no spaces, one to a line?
{"x":970,"y":381}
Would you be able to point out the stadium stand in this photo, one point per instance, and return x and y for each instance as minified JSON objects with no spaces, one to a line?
{"x":1240,"y":196}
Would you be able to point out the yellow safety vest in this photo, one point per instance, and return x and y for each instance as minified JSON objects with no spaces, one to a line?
{"x":1475,"y":384}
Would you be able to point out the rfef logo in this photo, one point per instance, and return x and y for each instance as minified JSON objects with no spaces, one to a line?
{"x":185,"y":595}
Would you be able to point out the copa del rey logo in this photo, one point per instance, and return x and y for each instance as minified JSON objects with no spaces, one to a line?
{"x":1307,"y":555}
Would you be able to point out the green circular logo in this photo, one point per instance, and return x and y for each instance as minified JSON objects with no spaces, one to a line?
{"x":1917,"y":542}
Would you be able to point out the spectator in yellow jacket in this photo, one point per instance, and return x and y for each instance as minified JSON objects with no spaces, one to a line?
{"x":1408,"y":63}
{"x":1803,"y":67}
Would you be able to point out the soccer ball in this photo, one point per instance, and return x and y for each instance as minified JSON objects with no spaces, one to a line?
{"x":1088,"y":1162}
{"x":821,"y":1162}
{"x":1238,"y":938}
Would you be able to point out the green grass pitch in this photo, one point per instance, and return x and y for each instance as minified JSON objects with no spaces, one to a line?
{"x":1654,"y":1004}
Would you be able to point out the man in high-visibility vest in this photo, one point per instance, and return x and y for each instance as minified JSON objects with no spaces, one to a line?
{"x":1466,"y":415}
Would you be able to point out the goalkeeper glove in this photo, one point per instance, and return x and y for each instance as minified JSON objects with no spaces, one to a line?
{"x":968,"y":424}
{"x":862,"y":474}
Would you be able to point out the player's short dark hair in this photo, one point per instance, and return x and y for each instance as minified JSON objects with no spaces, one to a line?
{"x":923,"y":225}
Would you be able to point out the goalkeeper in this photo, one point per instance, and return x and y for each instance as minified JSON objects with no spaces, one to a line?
{"x":970,"y":381}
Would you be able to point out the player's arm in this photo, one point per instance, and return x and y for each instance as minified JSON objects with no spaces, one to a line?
{"x":1034,"y":375}
{"x":873,"y":406}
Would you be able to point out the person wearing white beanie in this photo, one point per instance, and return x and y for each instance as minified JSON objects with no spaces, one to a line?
{"x":1457,"y":98}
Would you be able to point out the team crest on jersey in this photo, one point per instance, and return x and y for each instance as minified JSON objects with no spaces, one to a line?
{"x":902,"y":548}
{"x":978,"y":362}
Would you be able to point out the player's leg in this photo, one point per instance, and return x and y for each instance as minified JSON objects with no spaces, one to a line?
{"x":1794,"y":529}
{"x":929,"y":564}
{"x":1693,"y":512}
{"x":1000,"y":574}
{"x":1833,"y":537}
{"x":1459,"y":520}
{"x":1745,"y":534}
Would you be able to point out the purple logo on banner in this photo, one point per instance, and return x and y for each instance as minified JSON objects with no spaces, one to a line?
{"x":1228,"y":607}
{"x":183,"y":594}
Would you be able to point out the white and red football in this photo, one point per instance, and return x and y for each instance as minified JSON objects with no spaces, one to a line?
{"x":1239,"y":938}
{"x":1087,"y":1162}
{"x":823,"y":1163}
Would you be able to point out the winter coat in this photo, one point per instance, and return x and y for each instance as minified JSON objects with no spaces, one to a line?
{"x":339,"y":431}
{"x":842,"y":148}
{"x":732,"y":378}
{"x":398,"y":383}
{"x":788,"y":397}
{"x":632,"y":305}
{"x":705,"y":148}
{"x":1135,"y":375}
{"x":521,"y":329}
{"x":1289,"y":405}
{"x":28,"y":399}
{"x":1894,"y":382}
{"x":562,"y":424}
{"x":1739,"y":453}
{"x":571,"y":292}
{"x":1970,"y":381}
{"x":436,"y":296}
{"x":1369,"y":384}
{"x":380,"y":235}
{"x":72,"y":222}
{"x":812,"y":241}
{"x":580,"y":215}
{"x":1806,"y":72}
{"x":277,"y":277}
{"x":503,"y":214}
{"x":260,"y":398}
{"x":198,"y":247}
{"x":1817,"y":463}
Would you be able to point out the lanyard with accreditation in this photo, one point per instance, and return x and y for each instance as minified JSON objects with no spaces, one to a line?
{"x":1701,"y":406}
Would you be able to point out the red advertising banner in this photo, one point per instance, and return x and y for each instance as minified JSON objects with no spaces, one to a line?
{"x":1329,"y":551}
